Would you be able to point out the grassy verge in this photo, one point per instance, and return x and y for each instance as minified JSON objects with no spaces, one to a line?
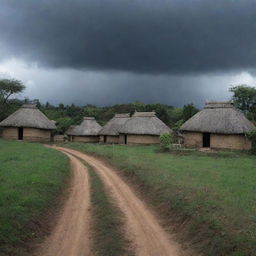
{"x":108,"y":238}
{"x":31,"y":177}
{"x":210,"y":197}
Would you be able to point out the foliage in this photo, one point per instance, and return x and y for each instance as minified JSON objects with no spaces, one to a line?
{"x":188,"y":111}
{"x":8,"y":88}
{"x":31,"y":177}
{"x":252,"y":136}
{"x":244,"y":98}
{"x":213,"y":194}
{"x":166,"y":141}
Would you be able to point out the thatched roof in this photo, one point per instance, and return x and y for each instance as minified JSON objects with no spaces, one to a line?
{"x":218,"y":117}
{"x":70,"y":129}
{"x":28,"y":116}
{"x":89,"y":127}
{"x":113,"y":126}
{"x":145,"y":123}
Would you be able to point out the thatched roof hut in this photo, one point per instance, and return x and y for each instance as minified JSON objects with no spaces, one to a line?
{"x":209,"y":127}
{"x":28,"y":123}
{"x":110,"y":132}
{"x":87,"y":131}
{"x":143,"y":128}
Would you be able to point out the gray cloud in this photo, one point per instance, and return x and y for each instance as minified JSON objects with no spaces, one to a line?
{"x":143,"y":36}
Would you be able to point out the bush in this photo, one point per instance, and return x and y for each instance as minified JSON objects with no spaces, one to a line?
{"x":252,"y":136}
{"x":165,"y":141}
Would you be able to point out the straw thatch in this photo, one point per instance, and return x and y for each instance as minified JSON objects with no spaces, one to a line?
{"x":145,"y":123}
{"x":112,"y":128}
{"x":70,"y":129}
{"x":89,"y":127}
{"x":219,"y":118}
{"x":28,"y":116}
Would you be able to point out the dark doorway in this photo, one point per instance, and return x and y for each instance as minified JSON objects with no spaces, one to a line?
{"x":206,"y":140}
{"x":20,"y":133}
{"x":105,"y":138}
{"x":125,"y":139}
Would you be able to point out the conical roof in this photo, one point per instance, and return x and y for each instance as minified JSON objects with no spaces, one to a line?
{"x":145,"y":123}
{"x":219,"y":117}
{"x":89,"y":127}
{"x":113,"y":126}
{"x":28,"y":116}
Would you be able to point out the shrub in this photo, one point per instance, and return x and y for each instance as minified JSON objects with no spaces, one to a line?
{"x":252,"y":136}
{"x":165,"y":141}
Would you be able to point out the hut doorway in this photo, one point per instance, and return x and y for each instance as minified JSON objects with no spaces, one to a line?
{"x":206,"y":140}
{"x":20,"y":133}
{"x":125,"y":139}
{"x":105,"y":138}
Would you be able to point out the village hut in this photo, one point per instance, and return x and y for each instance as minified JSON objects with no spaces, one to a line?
{"x":69,"y":132}
{"x":110,"y":132}
{"x":87,"y":131}
{"x":218,"y":125}
{"x":143,"y":128}
{"x":27,"y":123}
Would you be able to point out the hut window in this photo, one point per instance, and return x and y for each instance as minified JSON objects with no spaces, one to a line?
{"x":206,"y":140}
{"x":20,"y":133}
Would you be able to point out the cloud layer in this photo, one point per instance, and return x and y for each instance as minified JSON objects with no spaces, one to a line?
{"x":142,"y":36}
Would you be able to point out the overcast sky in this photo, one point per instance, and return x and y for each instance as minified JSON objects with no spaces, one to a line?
{"x":117,"y":51}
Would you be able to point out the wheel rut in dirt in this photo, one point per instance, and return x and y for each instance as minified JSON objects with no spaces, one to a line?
{"x":147,"y":236}
{"x":71,"y":235}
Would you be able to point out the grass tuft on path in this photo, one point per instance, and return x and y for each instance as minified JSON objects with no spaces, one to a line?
{"x":209,"y":197}
{"x":107,"y":236}
{"x":31,"y":177}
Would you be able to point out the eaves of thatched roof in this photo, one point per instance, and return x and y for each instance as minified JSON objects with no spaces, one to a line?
{"x":28,"y":116}
{"x":113,"y":126}
{"x":218,"y":117}
{"x":89,"y":127}
{"x":145,"y":123}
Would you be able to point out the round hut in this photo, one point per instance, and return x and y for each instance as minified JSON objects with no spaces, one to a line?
{"x":143,"y":128}
{"x":27,"y":123}
{"x":218,"y":125}
{"x":110,"y":132}
{"x":87,"y":131}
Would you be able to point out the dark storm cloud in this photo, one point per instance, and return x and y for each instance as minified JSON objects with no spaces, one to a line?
{"x":163,"y":36}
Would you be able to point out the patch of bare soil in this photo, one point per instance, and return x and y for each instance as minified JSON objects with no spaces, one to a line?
{"x":71,"y":235}
{"x":147,"y":236}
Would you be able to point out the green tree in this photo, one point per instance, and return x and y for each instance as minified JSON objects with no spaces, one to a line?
{"x":244,"y":97}
{"x":188,"y":111}
{"x":8,"y":88}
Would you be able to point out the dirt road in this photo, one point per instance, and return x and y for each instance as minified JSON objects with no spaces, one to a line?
{"x":70,"y":237}
{"x":142,"y":228}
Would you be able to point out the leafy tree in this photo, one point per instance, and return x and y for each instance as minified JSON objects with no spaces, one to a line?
{"x":8,"y":88}
{"x":166,"y":141}
{"x":188,"y":111}
{"x":252,"y":136}
{"x":244,"y":98}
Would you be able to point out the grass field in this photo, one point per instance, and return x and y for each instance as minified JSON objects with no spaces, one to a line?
{"x":31,"y":176}
{"x":212,"y":195}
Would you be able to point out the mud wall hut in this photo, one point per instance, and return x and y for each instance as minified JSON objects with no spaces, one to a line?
{"x":143,"y":128}
{"x":29,"y":124}
{"x":218,"y":125}
{"x":87,"y":131}
{"x":110,"y":132}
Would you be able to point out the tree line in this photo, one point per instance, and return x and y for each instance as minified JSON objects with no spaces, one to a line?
{"x":244,"y":98}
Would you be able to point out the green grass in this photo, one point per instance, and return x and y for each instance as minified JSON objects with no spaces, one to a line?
{"x":214,"y":194}
{"x":31,"y":177}
{"x":108,"y":237}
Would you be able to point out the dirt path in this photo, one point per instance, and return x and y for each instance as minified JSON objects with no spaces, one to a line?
{"x":142,"y":228}
{"x":70,"y":237}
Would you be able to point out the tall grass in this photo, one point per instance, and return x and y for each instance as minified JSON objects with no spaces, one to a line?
{"x":31,"y":177}
{"x":214,"y":194}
